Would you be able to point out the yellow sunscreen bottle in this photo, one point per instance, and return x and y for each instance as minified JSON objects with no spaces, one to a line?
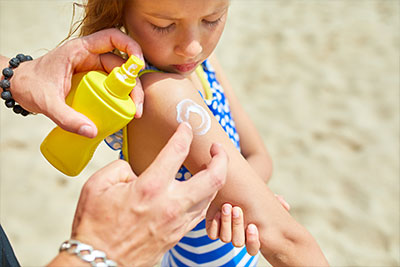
{"x":105,"y":100}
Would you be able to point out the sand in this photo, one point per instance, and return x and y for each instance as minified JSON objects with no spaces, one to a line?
{"x":320,"y":79}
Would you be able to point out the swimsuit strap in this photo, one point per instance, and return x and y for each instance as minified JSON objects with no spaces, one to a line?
{"x":148,"y":71}
{"x":204,"y":82}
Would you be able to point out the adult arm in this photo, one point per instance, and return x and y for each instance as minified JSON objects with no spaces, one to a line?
{"x":283,"y":240}
{"x":135,"y":220}
{"x":41,"y":85}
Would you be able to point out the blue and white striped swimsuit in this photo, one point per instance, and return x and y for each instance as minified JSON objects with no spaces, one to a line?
{"x":195,"y":248}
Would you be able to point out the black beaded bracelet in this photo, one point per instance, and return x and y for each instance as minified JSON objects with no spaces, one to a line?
{"x":5,"y":84}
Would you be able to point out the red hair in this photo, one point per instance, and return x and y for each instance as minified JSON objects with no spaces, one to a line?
{"x":98,"y":15}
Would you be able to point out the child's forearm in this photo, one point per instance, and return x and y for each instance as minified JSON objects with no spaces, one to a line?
{"x":283,"y":241}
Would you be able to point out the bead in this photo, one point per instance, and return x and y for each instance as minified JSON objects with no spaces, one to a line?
{"x":14,"y":62}
{"x":10,"y":103}
{"x":17,"y":109}
{"x":8,"y":73}
{"x":6,"y":95}
{"x":5,"y":84}
{"x":21,"y":57}
{"x":25,"y":112}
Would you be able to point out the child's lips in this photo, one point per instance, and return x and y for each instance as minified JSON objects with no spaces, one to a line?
{"x":185,"y":67}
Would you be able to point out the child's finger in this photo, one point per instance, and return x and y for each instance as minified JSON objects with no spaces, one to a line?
{"x":238,"y":237}
{"x":213,"y":226}
{"x":283,"y":202}
{"x":252,"y":240}
{"x":225,"y":233}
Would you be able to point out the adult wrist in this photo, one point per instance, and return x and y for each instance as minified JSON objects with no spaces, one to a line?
{"x":5,"y":83}
{"x":86,"y":253}
{"x":66,"y":259}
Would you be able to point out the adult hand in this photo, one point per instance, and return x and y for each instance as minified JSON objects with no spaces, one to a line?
{"x":135,"y":221}
{"x":41,"y":85}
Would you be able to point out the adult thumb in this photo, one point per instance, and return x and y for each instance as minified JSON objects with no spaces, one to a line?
{"x":71,"y":120}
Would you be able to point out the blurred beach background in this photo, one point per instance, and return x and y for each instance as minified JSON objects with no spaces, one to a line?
{"x":319,"y":78}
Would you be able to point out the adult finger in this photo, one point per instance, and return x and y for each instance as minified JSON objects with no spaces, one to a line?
{"x":252,"y":240}
{"x":109,"y":61}
{"x":213,"y":226}
{"x":196,"y":214}
{"x":107,"y":40}
{"x":169,"y":160}
{"x":206,"y":183}
{"x":225,"y":233}
{"x":71,"y":120}
{"x":238,"y":235}
{"x":118,"y":171}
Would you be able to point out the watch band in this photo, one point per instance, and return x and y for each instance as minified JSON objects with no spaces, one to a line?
{"x":86,"y":253}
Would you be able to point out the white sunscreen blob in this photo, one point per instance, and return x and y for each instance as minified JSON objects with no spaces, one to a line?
{"x":187,"y":106}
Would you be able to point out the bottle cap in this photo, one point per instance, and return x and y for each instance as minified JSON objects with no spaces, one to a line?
{"x":132,"y":66}
{"x":122,"y":80}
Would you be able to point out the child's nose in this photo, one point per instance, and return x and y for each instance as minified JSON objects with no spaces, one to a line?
{"x":189,"y":48}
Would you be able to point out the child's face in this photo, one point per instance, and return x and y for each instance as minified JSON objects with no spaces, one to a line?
{"x":176,"y":35}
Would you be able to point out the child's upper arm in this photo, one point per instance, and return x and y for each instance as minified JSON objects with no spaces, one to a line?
{"x":163,"y":95}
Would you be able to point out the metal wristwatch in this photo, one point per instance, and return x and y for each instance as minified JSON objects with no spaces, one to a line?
{"x":86,"y":253}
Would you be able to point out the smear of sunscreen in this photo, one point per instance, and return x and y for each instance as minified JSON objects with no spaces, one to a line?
{"x":188,"y":106}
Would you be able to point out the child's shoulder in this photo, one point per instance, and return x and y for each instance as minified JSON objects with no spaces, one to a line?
{"x":154,"y":77}
{"x":169,"y":86}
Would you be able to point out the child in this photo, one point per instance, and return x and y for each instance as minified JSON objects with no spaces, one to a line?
{"x":177,"y":38}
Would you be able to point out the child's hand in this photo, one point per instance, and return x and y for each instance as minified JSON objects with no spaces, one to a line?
{"x":228,"y":225}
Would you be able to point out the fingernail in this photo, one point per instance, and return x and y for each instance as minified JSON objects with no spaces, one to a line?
{"x":187,"y":124}
{"x":235,"y":213}
{"x":86,"y":130}
{"x":252,"y":229}
{"x":287,"y":206}
{"x":139,"y":109}
{"x":283,"y":201}
{"x":226,"y":210}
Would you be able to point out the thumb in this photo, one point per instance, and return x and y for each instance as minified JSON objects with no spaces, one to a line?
{"x":137,"y":96}
{"x":71,"y":120}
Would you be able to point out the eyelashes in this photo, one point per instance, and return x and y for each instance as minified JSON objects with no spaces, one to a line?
{"x":169,"y":28}
{"x":213,"y":23}
{"x":165,"y":29}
